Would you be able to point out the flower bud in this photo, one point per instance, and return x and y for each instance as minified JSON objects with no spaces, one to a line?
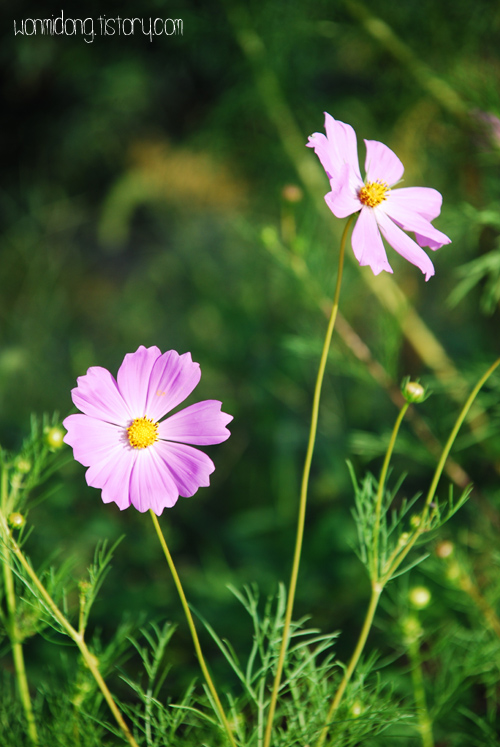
{"x":292,"y":193}
{"x":16,"y":520}
{"x":415,"y":521}
{"x":84,"y":586}
{"x":356,"y":709}
{"x":413,"y":392}
{"x":412,"y":630}
{"x":405,"y":536}
{"x":453,"y":572}
{"x":22,"y":465}
{"x":419,"y":597}
{"x":54,"y":437}
{"x":445,"y":549}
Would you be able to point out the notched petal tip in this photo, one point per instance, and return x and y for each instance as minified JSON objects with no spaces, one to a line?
{"x":382,"y":164}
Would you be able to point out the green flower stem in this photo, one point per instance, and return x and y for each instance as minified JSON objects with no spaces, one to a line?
{"x":192,"y":628}
{"x":370,"y":614}
{"x":391,"y":568}
{"x":380,"y":491}
{"x":396,"y":559}
{"x":90,"y":660}
{"x":377,"y":586}
{"x":424,"y":721}
{"x":12,"y":628}
{"x":304,"y":488}
{"x":451,"y":440}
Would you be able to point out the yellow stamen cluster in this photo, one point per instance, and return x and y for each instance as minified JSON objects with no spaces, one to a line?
{"x":373,"y":193}
{"x":142,"y":433}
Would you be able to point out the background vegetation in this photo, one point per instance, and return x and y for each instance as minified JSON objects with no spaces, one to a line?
{"x":146,"y":199}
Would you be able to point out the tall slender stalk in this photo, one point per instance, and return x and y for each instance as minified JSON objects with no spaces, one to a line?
{"x":424,"y":721}
{"x":379,"y":580}
{"x":370,"y":614}
{"x":192,"y":628}
{"x":381,"y":485}
{"x":391,"y":569}
{"x":89,"y":658}
{"x":12,"y":627}
{"x":377,"y":587}
{"x":304,"y":488}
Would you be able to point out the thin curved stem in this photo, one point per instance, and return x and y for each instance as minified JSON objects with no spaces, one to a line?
{"x":380,"y":491}
{"x":377,"y":587}
{"x":391,"y":569}
{"x":451,"y":440}
{"x":304,"y":488}
{"x":424,"y":720}
{"x":89,"y":658}
{"x":370,"y":614}
{"x":395,"y":561}
{"x":192,"y":628}
{"x":13,"y":630}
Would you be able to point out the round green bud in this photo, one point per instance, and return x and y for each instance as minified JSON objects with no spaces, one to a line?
{"x":445,"y":549}
{"x":357,"y":708}
{"x":54,"y":437}
{"x":453,"y":572}
{"x":413,"y":392}
{"x":419,"y":597}
{"x":16,"y":520}
{"x":22,"y":465}
{"x":412,"y":630}
{"x":402,"y":541}
{"x":292,"y":193}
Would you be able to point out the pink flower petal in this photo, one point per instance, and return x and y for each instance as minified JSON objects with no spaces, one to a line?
{"x":112,"y":475}
{"x":425,"y":241}
{"x":337,"y":149}
{"x":97,"y":395}
{"x":405,"y":246}
{"x":151,"y":485}
{"x":412,"y":221}
{"x":92,"y":439}
{"x":189,"y":468}
{"x":133,"y":377}
{"x":344,"y":143}
{"x":423,"y":200}
{"x":324,"y":152}
{"x":382,"y":164}
{"x":367,"y":244}
{"x":344,"y":201}
{"x":172,"y":379}
{"x":200,"y":424}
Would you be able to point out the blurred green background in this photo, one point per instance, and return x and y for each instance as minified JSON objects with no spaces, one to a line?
{"x":159,"y":193}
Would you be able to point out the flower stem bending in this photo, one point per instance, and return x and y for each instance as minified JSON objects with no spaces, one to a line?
{"x":382,"y":577}
{"x":304,"y":488}
{"x":392,"y":567}
{"x":370,"y":614}
{"x":377,"y":585}
{"x":12,"y":628}
{"x":380,"y":491}
{"x":90,"y":660}
{"x":192,"y":628}
{"x":424,"y":721}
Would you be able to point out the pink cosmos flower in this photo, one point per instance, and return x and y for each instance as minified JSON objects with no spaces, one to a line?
{"x":131,"y":456}
{"x":382,"y":209}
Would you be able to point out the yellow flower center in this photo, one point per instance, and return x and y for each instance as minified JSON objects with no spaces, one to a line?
{"x":373,"y":193}
{"x":142,"y":433}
